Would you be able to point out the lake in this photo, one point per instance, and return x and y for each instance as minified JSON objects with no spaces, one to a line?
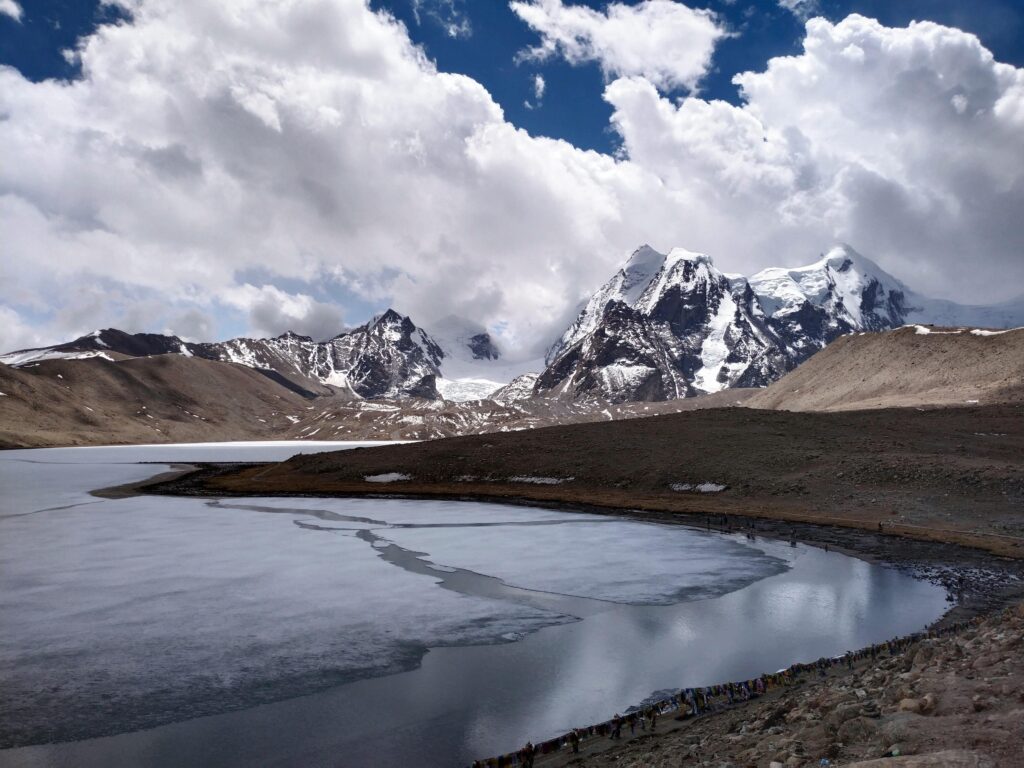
{"x":159,"y":631}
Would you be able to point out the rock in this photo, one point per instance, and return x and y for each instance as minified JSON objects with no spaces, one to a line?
{"x":910,"y":705}
{"x":856,"y":730}
{"x":794,"y":762}
{"x":928,"y":703}
{"x":869,"y":709}
{"x":776,"y":764}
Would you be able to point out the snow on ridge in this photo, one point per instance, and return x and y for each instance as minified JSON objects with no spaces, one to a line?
{"x":987,"y":332}
{"x":387,"y":477}
{"x":714,"y":351}
{"x":540,"y":480}
{"x":18,"y":359}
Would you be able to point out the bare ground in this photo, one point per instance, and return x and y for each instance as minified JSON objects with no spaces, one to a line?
{"x":949,"y":474}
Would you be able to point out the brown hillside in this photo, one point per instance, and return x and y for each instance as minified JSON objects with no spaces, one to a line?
{"x":166,"y":398}
{"x":905,"y":367}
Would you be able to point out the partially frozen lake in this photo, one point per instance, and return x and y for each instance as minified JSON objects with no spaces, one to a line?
{"x":372,"y":632}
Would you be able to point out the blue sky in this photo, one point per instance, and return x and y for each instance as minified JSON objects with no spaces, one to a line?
{"x":572,"y":108}
{"x":220,"y":167}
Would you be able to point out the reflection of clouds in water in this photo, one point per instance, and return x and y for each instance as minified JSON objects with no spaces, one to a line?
{"x":240,"y":595}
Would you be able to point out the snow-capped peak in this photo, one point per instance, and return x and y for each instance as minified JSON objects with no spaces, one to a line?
{"x":852,"y":288}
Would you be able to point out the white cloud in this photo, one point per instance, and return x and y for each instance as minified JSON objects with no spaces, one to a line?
{"x":802,"y":9}
{"x":310,"y":143}
{"x":272,"y":311}
{"x":448,"y":13}
{"x":907,"y":143}
{"x":668,"y":43}
{"x":10,"y":8}
{"x":538,"y":87}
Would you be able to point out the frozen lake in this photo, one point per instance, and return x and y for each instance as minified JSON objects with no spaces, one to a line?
{"x":159,"y":631}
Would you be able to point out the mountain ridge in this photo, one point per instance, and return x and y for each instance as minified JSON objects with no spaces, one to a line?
{"x":664,"y":326}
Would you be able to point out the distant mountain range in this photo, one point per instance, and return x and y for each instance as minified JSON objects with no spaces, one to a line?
{"x":387,"y":358}
{"x":665,"y":326}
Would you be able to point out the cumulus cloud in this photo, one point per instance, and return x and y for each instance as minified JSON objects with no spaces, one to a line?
{"x":272,"y":311}
{"x":905,"y":142}
{"x":311,"y":143}
{"x":10,"y":8}
{"x":665,"y":42}
{"x":308,"y":141}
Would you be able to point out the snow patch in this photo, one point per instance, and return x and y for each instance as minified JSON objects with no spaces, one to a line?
{"x":986,"y":332}
{"x":540,"y":480}
{"x":387,"y":477}
{"x":698,"y":487}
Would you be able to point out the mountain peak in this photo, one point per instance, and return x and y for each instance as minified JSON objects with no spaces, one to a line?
{"x":682,"y":254}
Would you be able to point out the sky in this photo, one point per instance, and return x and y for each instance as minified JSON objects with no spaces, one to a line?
{"x":219,"y":168}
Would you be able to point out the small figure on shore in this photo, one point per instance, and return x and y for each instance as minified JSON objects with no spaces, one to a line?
{"x":652,"y":713}
{"x":574,"y":741}
{"x":617,"y":726}
{"x":528,"y":752}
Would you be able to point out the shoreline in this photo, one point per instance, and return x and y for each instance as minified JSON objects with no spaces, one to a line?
{"x":957,"y":567}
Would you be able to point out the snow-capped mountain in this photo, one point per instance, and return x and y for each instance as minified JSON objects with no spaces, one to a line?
{"x":388,"y":357}
{"x":665,"y":326}
{"x":672,"y":325}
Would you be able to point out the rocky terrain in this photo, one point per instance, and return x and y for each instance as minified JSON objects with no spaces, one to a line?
{"x":953,"y":701}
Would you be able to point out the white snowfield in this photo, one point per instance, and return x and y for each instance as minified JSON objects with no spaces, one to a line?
{"x":18,"y":359}
{"x":540,"y":480}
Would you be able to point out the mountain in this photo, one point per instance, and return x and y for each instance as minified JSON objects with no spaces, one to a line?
{"x":388,"y":357}
{"x":672,"y":325}
{"x":664,"y":327}
{"x":845,"y":292}
{"x":908,"y":367}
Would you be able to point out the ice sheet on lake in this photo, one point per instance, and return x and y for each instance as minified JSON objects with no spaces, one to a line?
{"x":124,"y":613}
{"x":149,"y":609}
{"x":605,"y":559}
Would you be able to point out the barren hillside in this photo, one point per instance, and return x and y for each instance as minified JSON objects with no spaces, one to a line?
{"x":913,"y":366}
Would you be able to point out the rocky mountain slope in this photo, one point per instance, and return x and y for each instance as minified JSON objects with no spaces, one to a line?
{"x":672,"y":325}
{"x":911,"y":366}
{"x":388,"y":357}
{"x":665,"y":327}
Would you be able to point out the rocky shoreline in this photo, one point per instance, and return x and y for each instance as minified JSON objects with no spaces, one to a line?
{"x":951,"y":700}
